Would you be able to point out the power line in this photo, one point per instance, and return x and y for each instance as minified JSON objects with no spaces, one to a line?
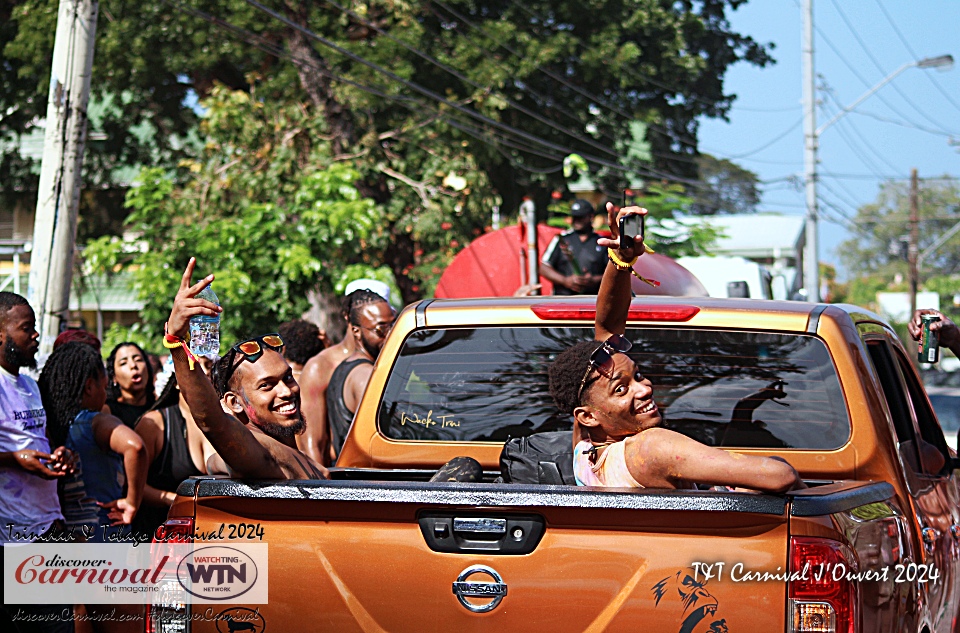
{"x":686,"y":140}
{"x":491,"y":137}
{"x":522,"y":85}
{"x":476,"y":133}
{"x":844,"y":196}
{"x":840,"y":217}
{"x":850,"y":125}
{"x":905,"y":124}
{"x":465,"y":79}
{"x":761,"y":160}
{"x":476,"y":115}
{"x":425,"y":91}
{"x":876,"y":63}
{"x":852,"y":144}
{"x":692,"y":142}
{"x":770,"y":142}
{"x":913,"y":54}
{"x":856,"y":73}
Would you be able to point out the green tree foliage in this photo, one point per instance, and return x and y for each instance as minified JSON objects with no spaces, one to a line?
{"x":876,"y":255}
{"x":523,"y":85}
{"x":668,"y":236}
{"x":727,"y":187}
{"x":878,"y":249}
{"x":272,"y":221}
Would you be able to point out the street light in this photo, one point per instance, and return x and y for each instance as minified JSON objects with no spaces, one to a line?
{"x":812,"y":134}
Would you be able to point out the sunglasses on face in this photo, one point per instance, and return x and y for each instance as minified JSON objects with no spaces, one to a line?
{"x":251,"y":350}
{"x":602,"y":359}
{"x":380,"y":330}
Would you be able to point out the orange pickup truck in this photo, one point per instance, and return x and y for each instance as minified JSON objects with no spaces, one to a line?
{"x":871,"y":545}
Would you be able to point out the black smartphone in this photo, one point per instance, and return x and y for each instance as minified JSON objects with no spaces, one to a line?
{"x":631,"y":226}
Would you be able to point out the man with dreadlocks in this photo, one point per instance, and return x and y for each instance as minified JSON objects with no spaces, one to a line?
{"x":251,"y":411}
{"x":618,"y":440}
{"x":370,"y":320}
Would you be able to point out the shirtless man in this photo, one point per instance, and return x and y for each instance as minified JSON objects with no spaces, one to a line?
{"x":618,"y":440}
{"x":314,"y":380}
{"x":255,"y":384}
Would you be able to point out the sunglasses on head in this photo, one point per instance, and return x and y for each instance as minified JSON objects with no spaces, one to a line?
{"x":251,"y":350}
{"x":602,"y":359}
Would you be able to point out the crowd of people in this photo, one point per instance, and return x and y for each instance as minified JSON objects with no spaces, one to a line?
{"x":91,"y":449}
{"x":91,"y":452}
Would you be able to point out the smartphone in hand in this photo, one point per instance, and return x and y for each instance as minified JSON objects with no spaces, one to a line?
{"x":631,"y":226}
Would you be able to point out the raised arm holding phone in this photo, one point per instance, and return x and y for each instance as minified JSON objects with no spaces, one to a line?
{"x":618,"y":438}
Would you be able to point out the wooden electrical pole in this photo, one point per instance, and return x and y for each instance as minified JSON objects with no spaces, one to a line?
{"x":913,"y":249}
{"x":55,"y":226}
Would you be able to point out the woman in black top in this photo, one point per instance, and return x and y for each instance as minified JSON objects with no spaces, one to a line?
{"x":129,"y":383}
{"x":176,"y":450}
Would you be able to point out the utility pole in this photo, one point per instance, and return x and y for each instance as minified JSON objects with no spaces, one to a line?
{"x":811,"y":262}
{"x":913,"y":249}
{"x":55,"y":226}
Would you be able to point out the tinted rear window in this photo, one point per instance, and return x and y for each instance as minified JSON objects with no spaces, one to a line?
{"x":485,"y":384}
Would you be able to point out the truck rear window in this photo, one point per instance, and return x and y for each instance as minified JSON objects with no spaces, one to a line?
{"x":486,"y":384}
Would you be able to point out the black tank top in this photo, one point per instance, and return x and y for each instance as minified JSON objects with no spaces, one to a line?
{"x":128,"y":413}
{"x":339,"y":417}
{"x":170,"y":467}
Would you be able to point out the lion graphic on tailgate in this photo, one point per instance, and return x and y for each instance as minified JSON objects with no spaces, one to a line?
{"x":697,"y":606}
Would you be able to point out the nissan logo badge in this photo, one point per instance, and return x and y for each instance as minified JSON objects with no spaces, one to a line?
{"x":494,"y":591}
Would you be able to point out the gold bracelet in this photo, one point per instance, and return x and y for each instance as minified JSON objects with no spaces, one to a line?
{"x":619,"y":263}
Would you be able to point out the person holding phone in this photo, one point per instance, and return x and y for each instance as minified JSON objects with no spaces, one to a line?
{"x":618,"y":440}
{"x":574,"y":261}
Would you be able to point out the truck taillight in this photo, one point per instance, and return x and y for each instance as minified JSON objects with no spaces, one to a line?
{"x":169,"y":611}
{"x":823,"y":599}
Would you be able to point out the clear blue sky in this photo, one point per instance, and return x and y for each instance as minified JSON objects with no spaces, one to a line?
{"x":859,"y":151}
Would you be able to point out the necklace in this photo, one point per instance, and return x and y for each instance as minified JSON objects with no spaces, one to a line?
{"x":595,"y":448}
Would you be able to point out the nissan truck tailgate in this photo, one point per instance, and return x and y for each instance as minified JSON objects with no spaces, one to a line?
{"x":387,"y":556}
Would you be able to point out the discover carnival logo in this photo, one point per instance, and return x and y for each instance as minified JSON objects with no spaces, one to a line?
{"x":101,"y":573}
{"x":217,"y":573}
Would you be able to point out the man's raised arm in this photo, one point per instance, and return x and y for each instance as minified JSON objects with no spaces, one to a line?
{"x":613,"y":300}
{"x":235,"y":444}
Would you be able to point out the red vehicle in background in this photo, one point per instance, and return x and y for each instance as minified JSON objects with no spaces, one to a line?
{"x":495,"y":265}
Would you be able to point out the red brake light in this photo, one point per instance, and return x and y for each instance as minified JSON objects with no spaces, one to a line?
{"x":169,"y":611}
{"x":179,"y":530}
{"x":823,"y":597}
{"x":572,"y":311}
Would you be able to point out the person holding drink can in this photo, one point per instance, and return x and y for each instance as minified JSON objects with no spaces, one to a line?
{"x":932,"y":330}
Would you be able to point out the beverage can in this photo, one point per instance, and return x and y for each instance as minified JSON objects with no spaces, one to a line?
{"x":928,"y":349}
{"x":205,"y":330}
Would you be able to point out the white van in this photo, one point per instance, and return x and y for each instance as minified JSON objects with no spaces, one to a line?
{"x":731,"y":277}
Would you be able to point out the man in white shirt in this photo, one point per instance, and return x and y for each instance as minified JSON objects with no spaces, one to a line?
{"x":29,"y":507}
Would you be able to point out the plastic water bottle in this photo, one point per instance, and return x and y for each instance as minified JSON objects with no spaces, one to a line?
{"x":205,"y":330}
